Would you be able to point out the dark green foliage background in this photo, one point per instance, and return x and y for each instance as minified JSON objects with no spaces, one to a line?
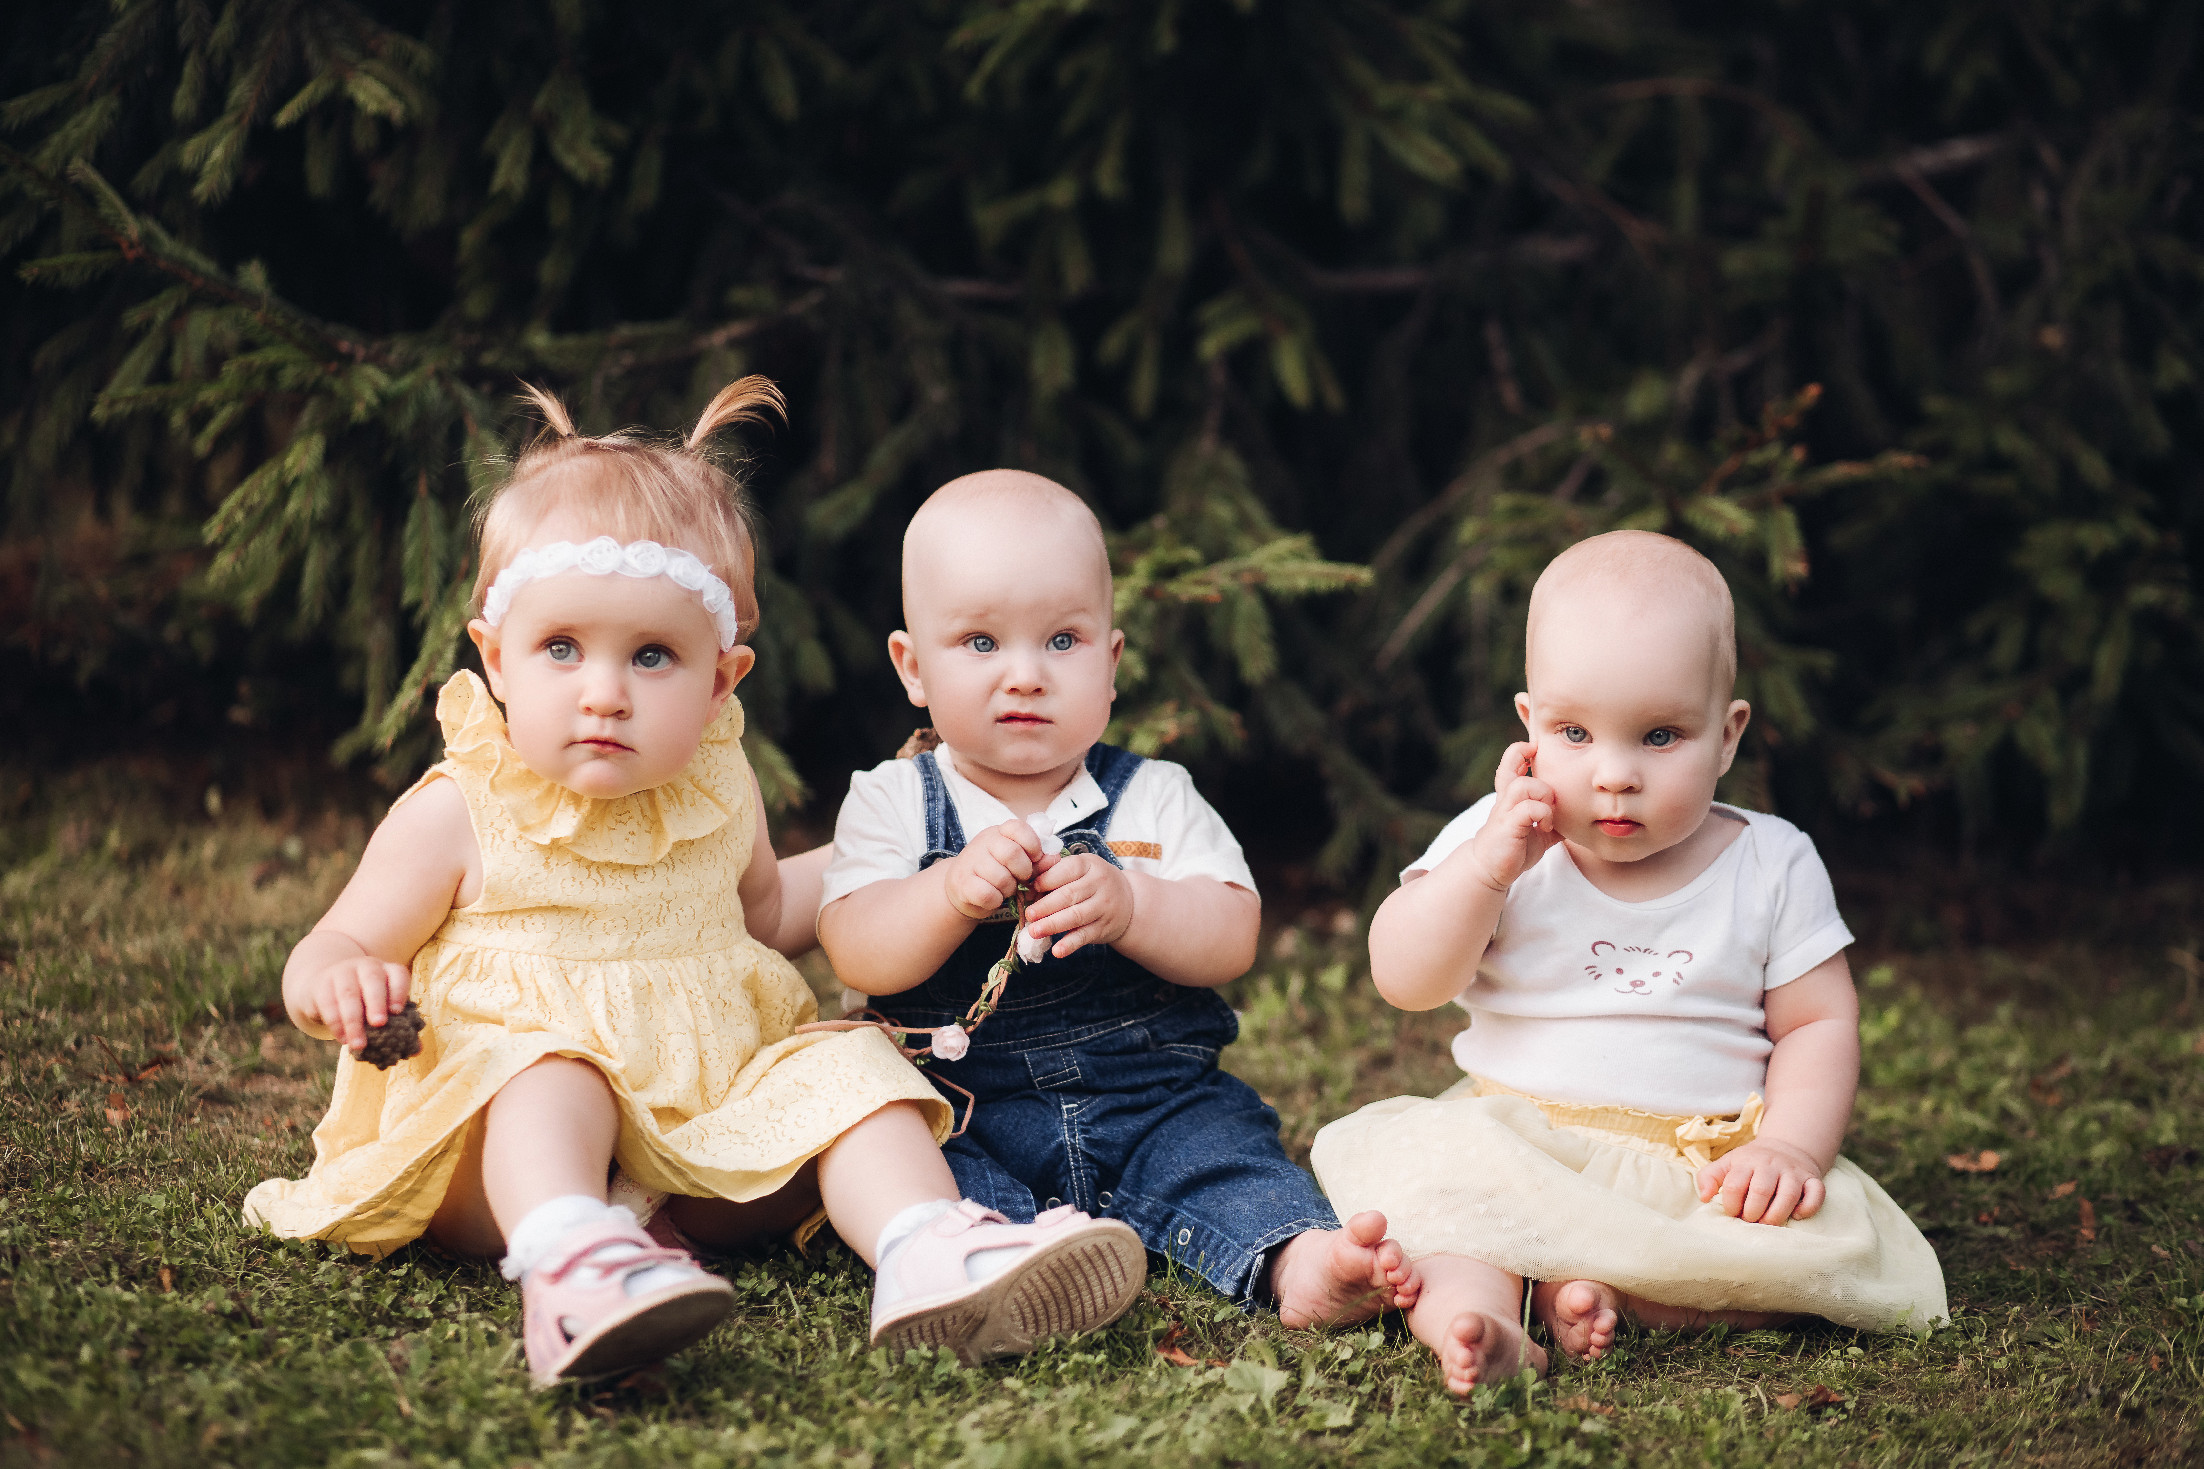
{"x":1344,"y":314}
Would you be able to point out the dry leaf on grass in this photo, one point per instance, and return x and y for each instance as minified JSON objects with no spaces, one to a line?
{"x":1985,"y":1161}
{"x":1821,"y":1399}
{"x":1787,"y":1400}
{"x":1582,"y":1403}
{"x":2062,"y":1190}
{"x":2089,"y":1223}
{"x":1170,"y":1351}
{"x":168,"y":1279}
{"x":117,"y":1113}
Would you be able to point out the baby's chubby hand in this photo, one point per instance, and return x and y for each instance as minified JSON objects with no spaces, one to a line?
{"x":1521,"y":827}
{"x":1083,"y":898}
{"x":986,"y":874}
{"x":352,"y":995}
{"x":1767,"y":1181}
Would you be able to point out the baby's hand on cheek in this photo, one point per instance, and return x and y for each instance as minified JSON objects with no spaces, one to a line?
{"x":1084,"y":900}
{"x":1521,"y":827}
{"x":1766,"y":1181}
{"x":986,"y":874}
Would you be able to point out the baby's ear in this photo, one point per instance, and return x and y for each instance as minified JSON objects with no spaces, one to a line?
{"x":903,"y":653}
{"x":491,"y":645}
{"x":734,"y":666}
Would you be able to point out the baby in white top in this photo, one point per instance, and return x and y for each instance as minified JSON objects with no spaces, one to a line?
{"x":1642,"y":966}
{"x":1667,"y":997}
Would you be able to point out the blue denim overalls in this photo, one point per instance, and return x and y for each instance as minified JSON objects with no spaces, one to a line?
{"x":1098,"y":1086}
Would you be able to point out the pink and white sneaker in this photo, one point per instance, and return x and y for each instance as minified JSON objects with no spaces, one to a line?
{"x":580,"y":1319}
{"x":946,"y":1286}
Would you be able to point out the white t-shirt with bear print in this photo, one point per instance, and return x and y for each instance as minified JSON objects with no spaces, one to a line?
{"x":1658,"y":1005}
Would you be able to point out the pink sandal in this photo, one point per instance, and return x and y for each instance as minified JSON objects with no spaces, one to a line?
{"x":578,"y":1321}
{"x":1077,"y":1274}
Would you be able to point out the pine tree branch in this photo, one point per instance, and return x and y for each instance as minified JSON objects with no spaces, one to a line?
{"x":145,"y":243}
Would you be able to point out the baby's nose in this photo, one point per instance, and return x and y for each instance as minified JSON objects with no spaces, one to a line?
{"x":605,"y":698}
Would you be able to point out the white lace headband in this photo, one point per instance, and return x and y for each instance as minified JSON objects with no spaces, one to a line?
{"x":606,"y":557}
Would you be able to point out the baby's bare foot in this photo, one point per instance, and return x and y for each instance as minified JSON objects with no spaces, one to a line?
{"x":1481,"y":1348}
{"x":1580,"y":1315}
{"x":1329,"y":1277}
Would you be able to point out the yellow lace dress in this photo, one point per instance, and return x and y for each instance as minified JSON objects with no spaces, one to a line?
{"x":608,"y":930}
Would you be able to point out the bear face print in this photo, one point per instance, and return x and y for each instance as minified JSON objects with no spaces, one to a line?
{"x":1632,"y":970}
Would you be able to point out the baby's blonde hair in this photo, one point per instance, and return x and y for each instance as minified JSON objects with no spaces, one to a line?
{"x":633,"y":487}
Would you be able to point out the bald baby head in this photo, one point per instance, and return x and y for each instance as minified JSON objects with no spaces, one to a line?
{"x":1634,"y":580}
{"x":997,"y":514}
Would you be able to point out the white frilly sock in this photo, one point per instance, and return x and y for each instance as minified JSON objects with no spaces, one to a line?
{"x":554,"y":1219}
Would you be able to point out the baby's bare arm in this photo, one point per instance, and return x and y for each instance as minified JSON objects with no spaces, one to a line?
{"x":802,"y":877}
{"x":1195,"y":931}
{"x":349,"y":972}
{"x":780,"y":895}
{"x":893,"y":935}
{"x":1812,"y":1076}
{"x":1815,"y":1068}
{"x":1428,"y":937}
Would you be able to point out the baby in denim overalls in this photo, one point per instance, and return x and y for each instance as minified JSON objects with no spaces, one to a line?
{"x":1096,"y":1081}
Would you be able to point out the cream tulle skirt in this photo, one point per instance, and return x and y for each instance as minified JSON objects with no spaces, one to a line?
{"x":1494,"y":1178}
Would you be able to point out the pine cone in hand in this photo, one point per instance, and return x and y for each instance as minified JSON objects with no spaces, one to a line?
{"x":397,"y":1039}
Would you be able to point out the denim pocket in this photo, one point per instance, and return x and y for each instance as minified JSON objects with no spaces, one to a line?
{"x":1053,"y":1070}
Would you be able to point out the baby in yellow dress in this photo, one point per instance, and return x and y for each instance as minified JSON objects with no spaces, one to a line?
{"x":1664,"y":1039}
{"x":583,"y":904}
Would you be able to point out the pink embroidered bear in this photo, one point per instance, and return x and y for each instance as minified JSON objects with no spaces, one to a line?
{"x":1632,"y":970}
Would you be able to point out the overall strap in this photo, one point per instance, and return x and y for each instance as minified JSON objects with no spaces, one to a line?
{"x":944,"y":832}
{"x":1113,"y":770}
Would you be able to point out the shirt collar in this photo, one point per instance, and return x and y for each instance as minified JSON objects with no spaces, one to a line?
{"x":1077,"y":804}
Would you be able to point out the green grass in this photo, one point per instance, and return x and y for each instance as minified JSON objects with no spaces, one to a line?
{"x":144,"y":1086}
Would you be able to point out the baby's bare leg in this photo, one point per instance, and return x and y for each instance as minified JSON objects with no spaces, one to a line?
{"x":1469,"y":1313}
{"x":1581,"y":1315}
{"x":1333,"y":1277}
{"x":722,"y":1224}
{"x":879,"y":1168}
{"x":546,"y":1134}
{"x":1673,"y":1318}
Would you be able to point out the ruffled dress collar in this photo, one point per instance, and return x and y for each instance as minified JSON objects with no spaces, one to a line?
{"x":635,"y":829}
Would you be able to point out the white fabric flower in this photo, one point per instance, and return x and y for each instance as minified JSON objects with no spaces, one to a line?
{"x":951,"y":1042}
{"x":601,"y":557}
{"x":1032,"y":947}
{"x":1051,"y":843}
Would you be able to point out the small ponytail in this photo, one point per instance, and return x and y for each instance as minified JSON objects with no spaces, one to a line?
{"x":749,"y":400}
{"x":554,"y":412}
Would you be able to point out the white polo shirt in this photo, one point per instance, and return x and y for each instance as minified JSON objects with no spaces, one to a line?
{"x":1161,"y":825}
{"x":1659,"y":1005}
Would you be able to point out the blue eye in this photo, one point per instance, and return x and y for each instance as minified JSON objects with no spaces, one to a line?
{"x":653,"y":658}
{"x":563,"y":650}
{"x":1063,"y":642}
{"x":1575,"y":734}
{"x":980,"y":642}
{"x":1661,"y":739}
